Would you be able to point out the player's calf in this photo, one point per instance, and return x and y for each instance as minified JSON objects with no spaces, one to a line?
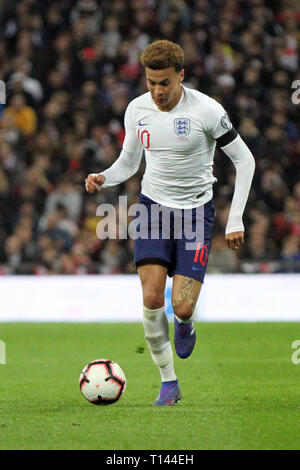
{"x":156,"y":329}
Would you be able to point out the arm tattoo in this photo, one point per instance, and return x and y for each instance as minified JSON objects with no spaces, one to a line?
{"x":186,"y":293}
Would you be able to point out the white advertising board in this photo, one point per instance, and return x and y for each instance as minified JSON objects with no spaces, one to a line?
{"x":100,"y":298}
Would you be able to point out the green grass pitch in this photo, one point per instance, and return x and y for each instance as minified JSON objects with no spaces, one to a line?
{"x":240,"y":389}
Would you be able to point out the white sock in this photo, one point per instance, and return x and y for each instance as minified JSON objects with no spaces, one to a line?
{"x":156,"y":329}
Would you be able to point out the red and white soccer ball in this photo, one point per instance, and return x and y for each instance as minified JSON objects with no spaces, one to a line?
{"x":102,"y":382}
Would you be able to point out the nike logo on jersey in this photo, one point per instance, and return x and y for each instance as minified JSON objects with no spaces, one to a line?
{"x":143,"y":124}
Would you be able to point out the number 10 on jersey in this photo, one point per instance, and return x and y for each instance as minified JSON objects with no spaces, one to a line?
{"x":144,"y":138}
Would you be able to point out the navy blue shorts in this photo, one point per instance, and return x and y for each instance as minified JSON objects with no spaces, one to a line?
{"x":179,"y":239}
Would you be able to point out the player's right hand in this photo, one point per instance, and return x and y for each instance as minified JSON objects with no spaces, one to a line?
{"x":93,"y":182}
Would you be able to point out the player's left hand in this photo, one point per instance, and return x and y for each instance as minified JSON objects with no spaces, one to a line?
{"x":235,"y":240}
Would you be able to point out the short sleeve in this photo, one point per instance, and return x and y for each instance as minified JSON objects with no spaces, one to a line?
{"x":216,"y":121}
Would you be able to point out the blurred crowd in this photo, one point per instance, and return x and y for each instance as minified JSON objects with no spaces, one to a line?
{"x":71,"y":67}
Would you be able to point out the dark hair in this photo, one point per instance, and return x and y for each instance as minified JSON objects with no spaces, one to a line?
{"x":163,"y":54}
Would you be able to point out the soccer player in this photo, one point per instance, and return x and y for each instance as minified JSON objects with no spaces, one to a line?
{"x":178,"y":129}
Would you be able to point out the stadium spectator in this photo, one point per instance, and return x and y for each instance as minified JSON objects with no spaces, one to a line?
{"x":222,"y":259}
{"x":290,"y":254}
{"x":66,"y":194}
{"x":24,"y":117}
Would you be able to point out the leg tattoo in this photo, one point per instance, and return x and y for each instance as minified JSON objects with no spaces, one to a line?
{"x":186,"y":293}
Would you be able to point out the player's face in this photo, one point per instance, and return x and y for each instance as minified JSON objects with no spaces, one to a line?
{"x":165,"y":87}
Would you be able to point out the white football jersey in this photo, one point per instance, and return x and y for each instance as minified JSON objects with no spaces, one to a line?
{"x":179,"y":146}
{"x":179,"y":149}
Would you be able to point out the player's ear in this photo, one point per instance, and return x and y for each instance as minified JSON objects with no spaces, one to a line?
{"x":182,"y":75}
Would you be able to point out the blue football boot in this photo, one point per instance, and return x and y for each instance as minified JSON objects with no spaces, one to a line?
{"x":184,"y":338}
{"x":169,"y":394}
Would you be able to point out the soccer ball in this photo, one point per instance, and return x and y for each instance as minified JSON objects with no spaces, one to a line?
{"x":102,"y":382}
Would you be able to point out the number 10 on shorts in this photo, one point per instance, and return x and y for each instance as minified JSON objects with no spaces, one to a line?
{"x":201,"y":254}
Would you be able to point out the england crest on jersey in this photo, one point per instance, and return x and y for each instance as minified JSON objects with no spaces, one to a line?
{"x":182,"y":126}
